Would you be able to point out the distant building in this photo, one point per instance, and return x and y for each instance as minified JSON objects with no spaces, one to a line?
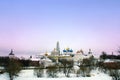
{"x":79,"y":56}
{"x":55,"y":53}
{"x":11,"y":55}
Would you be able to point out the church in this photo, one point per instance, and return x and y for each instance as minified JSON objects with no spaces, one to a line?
{"x":11,"y":55}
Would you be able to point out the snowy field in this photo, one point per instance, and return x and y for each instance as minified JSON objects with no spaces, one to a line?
{"x":29,"y":75}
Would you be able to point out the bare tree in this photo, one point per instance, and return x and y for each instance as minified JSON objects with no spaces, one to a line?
{"x":13,"y":67}
{"x":52,"y":71}
{"x":86,"y":67}
{"x":38,"y":72}
{"x":67,"y":65}
{"x":115,"y":74}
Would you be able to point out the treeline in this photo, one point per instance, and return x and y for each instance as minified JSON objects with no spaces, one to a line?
{"x":23,"y":62}
{"x":104,"y":55}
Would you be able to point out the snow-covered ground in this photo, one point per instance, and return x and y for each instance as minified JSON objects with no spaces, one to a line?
{"x":29,"y":75}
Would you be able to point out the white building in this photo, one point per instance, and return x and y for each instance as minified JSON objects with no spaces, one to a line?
{"x":79,"y":56}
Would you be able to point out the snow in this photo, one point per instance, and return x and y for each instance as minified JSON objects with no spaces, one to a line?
{"x":112,"y":60}
{"x":34,"y":58}
{"x":4,"y":76}
{"x":29,"y":75}
{"x":1,"y":67}
{"x":76,"y":67}
{"x":108,"y":60}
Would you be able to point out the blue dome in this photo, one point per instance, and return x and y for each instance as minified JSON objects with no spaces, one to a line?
{"x":64,"y":50}
{"x":67,"y":50}
{"x":71,"y":50}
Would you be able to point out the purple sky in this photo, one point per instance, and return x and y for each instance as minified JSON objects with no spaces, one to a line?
{"x":32,"y":26}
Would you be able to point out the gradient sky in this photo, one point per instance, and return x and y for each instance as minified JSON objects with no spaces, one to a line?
{"x":33,"y":26}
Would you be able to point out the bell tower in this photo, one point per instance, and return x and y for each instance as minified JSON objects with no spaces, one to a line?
{"x":58,"y":47}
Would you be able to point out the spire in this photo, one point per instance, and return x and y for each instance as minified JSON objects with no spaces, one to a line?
{"x":11,"y":53}
{"x":89,"y":51}
{"x":81,"y":51}
{"x":112,"y":53}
